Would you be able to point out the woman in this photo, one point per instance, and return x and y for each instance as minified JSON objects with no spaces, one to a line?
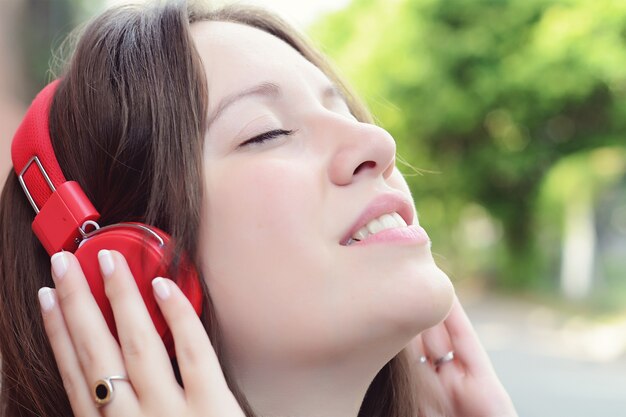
{"x":227,"y":130}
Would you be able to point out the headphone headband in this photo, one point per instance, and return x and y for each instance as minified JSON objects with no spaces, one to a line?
{"x":61,"y":206}
{"x":31,"y":140}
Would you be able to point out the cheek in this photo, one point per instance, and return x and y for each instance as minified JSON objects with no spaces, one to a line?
{"x":398,"y":182}
{"x":257,"y":200}
{"x":260,"y":251}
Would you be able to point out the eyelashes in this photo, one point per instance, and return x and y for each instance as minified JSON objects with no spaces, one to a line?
{"x":267,"y":136}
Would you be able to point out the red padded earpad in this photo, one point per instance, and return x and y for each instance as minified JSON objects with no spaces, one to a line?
{"x":145,"y":257}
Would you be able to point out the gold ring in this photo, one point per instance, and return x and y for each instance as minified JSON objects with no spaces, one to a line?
{"x":103,"y":389}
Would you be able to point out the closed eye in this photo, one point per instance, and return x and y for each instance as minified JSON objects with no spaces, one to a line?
{"x":263,"y":137}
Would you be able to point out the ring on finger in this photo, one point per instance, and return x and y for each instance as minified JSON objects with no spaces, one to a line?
{"x":103,"y":390}
{"x":448,"y":357}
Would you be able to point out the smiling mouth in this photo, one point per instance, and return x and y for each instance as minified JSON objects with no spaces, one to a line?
{"x":384,"y":222}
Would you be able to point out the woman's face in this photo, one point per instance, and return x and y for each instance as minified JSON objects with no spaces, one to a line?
{"x":277,"y":213}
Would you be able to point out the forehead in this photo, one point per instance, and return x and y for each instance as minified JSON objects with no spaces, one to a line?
{"x":237,"y":56}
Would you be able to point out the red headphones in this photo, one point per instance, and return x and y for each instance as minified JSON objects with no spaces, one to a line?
{"x":64,"y":214}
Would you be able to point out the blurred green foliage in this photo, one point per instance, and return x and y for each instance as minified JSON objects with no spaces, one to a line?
{"x":596,"y":176}
{"x":512,"y":110}
{"x":487,"y":97}
{"x":45,"y":27}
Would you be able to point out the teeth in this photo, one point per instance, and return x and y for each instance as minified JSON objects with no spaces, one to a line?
{"x":399,"y":219}
{"x":374,"y":226}
{"x":384,"y":222}
{"x":361,"y":234}
{"x":388,"y":221}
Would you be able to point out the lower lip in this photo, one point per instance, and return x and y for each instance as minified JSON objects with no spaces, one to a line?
{"x":411,"y":234}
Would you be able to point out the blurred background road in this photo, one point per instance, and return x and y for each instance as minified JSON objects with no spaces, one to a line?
{"x":552,"y":364}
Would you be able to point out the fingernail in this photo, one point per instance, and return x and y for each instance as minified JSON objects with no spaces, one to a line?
{"x":59,"y":264}
{"x":161,"y":288}
{"x":46,"y":298}
{"x":107,"y":266}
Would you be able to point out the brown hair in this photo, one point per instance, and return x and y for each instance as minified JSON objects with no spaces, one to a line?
{"x":127,"y":123}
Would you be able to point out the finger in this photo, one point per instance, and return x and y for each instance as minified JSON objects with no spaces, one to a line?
{"x":145,"y":356}
{"x":437,"y":345}
{"x":416,"y":351}
{"x":465,"y":341}
{"x":72,"y":376}
{"x":97,"y":351}
{"x":199,"y":367}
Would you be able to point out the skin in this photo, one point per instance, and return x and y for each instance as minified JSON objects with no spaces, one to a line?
{"x":285,"y":205}
{"x":307,"y":322}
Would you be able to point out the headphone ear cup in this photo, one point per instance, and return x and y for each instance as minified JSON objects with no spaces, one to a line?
{"x":145,"y":255}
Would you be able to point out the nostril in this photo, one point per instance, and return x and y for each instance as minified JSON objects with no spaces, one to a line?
{"x":364,"y":165}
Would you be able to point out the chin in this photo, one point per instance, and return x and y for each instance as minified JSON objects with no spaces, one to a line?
{"x":420,"y":303}
{"x":442,"y":299}
{"x":424,"y":301}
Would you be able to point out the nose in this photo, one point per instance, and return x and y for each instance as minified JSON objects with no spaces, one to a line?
{"x":363,"y":151}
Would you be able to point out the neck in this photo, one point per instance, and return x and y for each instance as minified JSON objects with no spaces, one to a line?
{"x":309,"y":391}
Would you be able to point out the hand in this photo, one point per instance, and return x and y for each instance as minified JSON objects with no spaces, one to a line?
{"x":466,"y":386}
{"x":85,"y":350}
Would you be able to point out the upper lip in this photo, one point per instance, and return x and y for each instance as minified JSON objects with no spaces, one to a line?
{"x":383,"y":204}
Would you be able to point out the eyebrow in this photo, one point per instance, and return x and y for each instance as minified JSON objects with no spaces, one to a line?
{"x":265,"y":89}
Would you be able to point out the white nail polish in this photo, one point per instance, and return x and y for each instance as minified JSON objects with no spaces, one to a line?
{"x":46,"y":298}
{"x":59,"y":264}
{"x":107,"y":266}
{"x":161,"y":288}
